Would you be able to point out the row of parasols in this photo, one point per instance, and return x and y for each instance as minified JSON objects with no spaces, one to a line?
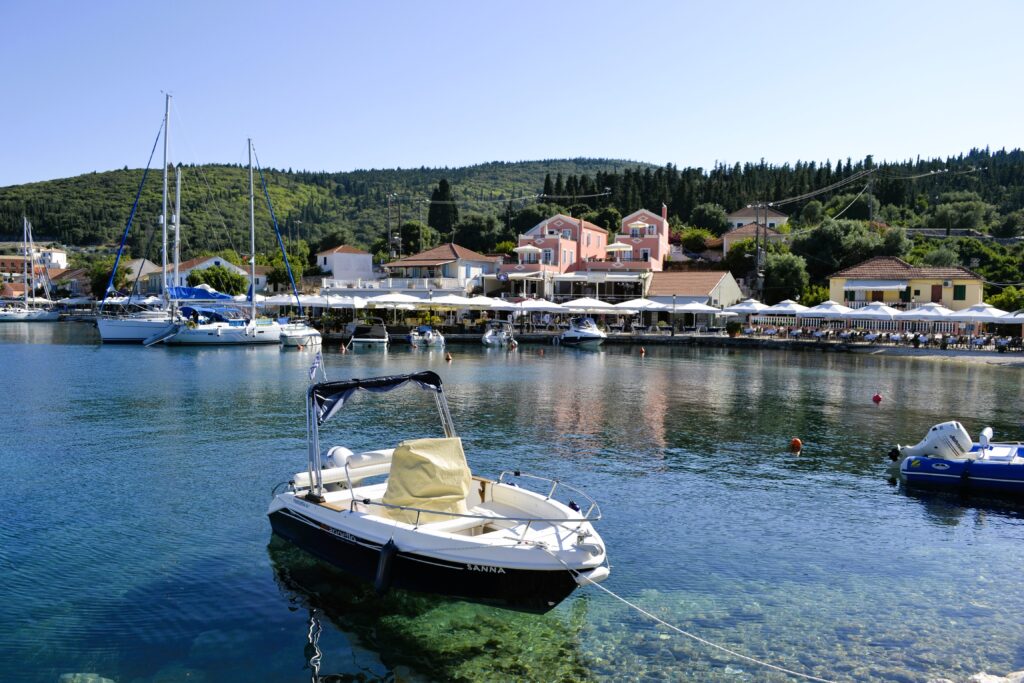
{"x":584,"y":305}
{"x":876,"y":310}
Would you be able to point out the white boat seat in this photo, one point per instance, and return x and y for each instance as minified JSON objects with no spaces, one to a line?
{"x":360,"y":466}
{"x":457,"y":524}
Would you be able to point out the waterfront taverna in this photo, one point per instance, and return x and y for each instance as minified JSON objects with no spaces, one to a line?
{"x":899,"y":284}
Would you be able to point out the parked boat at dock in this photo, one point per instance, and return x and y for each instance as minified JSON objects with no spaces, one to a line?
{"x":300,"y":335}
{"x":370,"y":332}
{"x":499,"y":333}
{"x":425,"y":335}
{"x":948,"y":458}
{"x":26,"y":312}
{"x":582,"y":332}
{"x":432,"y":526}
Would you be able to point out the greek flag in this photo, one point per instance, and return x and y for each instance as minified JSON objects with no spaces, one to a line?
{"x":316,"y":364}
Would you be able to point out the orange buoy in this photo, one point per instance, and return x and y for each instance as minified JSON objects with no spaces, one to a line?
{"x":877,"y":398}
{"x":448,"y":357}
{"x":643,"y":351}
{"x":796,"y":445}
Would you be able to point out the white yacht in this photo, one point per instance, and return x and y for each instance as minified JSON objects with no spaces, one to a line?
{"x":582,"y":332}
{"x":222,"y":325}
{"x":300,"y":335}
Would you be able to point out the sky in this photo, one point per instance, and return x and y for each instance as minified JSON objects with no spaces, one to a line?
{"x":340,"y":85}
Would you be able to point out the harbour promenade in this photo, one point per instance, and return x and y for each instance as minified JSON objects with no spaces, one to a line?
{"x":989,"y":354}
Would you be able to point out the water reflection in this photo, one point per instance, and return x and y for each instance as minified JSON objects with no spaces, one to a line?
{"x":401,"y":633}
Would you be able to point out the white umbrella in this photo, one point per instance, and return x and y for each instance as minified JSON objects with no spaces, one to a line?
{"x":696,"y":307}
{"x":483,"y":302}
{"x":784,"y":307}
{"x":930,"y":312}
{"x":280,"y":300}
{"x":589,"y":305}
{"x":747,"y":306}
{"x":335,"y":301}
{"x":876,"y":310}
{"x":450,"y":300}
{"x":827,"y":310}
{"x":393,"y":299}
{"x":540,"y":305}
{"x":642,"y":305}
{"x":76,"y":301}
{"x":527,"y":249}
{"x":980,"y":313}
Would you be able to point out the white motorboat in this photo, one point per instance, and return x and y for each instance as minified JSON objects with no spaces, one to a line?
{"x":582,"y":332}
{"x":300,"y":335}
{"x":499,"y":333}
{"x":432,"y":526}
{"x":425,"y":335}
{"x":368,"y":333}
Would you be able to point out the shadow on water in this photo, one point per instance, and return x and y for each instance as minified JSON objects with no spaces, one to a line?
{"x":951,"y":507}
{"x":418,"y":635}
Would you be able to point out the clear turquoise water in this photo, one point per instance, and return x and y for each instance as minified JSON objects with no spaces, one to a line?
{"x":134,"y":543}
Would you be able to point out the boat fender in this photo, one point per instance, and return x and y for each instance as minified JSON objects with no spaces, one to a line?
{"x":573,"y":506}
{"x":985,"y":438}
{"x":385,"y":567}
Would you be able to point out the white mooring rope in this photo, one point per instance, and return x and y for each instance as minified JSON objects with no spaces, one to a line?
{"x":680,"y":631}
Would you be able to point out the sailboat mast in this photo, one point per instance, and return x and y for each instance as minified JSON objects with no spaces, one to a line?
{"x":163,"y":210}
{"x":24,"y":250}
{"x":177,"y":223}
{"x":252,"y":236}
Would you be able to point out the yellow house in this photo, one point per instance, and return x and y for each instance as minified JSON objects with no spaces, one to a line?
{"x":899,"y":284}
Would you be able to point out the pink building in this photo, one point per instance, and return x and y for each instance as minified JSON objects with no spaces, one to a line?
{"x":564,"y":256}
{"x":556,"y":244}
{"x":646,"y":235}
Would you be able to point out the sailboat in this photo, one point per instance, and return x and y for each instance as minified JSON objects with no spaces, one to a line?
{"x":137,"y":327}
{"x":26,"y":312}
{"x":223,"y":325}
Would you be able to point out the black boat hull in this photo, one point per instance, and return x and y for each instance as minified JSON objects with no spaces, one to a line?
{"x":527,"y":590}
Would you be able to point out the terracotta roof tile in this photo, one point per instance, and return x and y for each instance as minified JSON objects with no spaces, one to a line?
{"x":892,"y":268}
{"x":343,"y":249}
{"x":747,"y":211}
{"x":446,"y":253}
{"x":750,"y":230}
{"x":685,"y":283}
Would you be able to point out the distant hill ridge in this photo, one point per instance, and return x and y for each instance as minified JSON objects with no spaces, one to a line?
{"x":987,"y":187}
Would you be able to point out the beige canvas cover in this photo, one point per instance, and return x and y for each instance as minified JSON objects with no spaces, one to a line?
{"x":429,"y":474}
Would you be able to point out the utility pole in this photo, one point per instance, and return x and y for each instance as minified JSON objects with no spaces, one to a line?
{"x":391,"y":239}
{"x":399,"y":200}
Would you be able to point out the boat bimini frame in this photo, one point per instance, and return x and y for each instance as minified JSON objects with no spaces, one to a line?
{"x":325,"y":399}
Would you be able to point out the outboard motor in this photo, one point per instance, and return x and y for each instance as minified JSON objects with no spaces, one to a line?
{"x":948,"y":441}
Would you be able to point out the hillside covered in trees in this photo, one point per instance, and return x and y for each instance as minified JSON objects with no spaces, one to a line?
{"x":841,"y":213}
